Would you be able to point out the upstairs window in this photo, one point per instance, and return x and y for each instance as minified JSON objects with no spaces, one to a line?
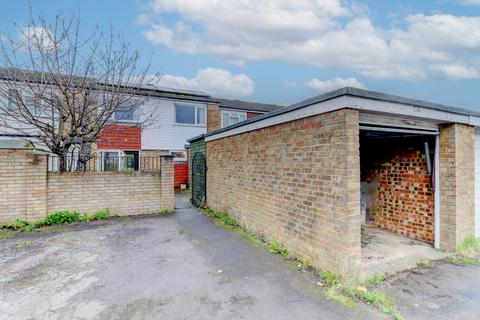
{"x":232,"y":117}
{"x":187,"y":114}
{"x":34,"y":104}
{"x":125,"y":111}
{"x":13,"y":97}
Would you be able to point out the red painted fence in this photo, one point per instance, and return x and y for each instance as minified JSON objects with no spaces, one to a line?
{"x":180,"y":174}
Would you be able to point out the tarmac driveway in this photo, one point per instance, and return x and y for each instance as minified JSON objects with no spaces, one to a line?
{"x":177,"y":267}
{"x":185,"y":267}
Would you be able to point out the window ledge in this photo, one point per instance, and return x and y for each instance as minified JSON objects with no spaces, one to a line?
{"x":190,"y":125}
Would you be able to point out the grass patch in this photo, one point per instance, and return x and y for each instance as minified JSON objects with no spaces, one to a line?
{"x":331,"y":278}
{"x":57,"y":218}
{"x":23,"y":244}
{"x":221,"y":218}
{"x":470,"y":246}
{"x":425,"y":263}
{"x":375,"y":280}
{"x":464,"y":260}
{"x":333,"y":294}
{"x":165,"y":212}
{"x":350,"y":293}
{"x":5,"y":234}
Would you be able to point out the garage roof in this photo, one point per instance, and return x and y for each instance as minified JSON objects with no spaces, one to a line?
{"x":247,"y":105}
{"x":353,"y":92}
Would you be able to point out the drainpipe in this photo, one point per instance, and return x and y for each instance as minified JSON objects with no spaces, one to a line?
{"x":436,"y":194}
{"x":427,"y":160}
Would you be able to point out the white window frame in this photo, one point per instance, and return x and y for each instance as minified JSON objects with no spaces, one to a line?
{"x":230,"y":114}
{"x":196,"y":107}
{"x":102,"y":163}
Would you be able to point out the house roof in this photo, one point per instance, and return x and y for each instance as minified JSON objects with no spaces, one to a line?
{"x":15,"y":144}
{"x":353,"y":92}
{"x":247,"y":105}
{"x":145,"y":90}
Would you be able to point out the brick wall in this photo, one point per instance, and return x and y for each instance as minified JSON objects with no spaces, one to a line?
{"x":28,"y":192}
{"x":214,"y":118}
{"x":457,"y":185}
{"x":297,"y":183}
{"x":253,"y":114}
{"x":121,"y":137}
{"x":22,"y":185}
{"x":397,"y":187}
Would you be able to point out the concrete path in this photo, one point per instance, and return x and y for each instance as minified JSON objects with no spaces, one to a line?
{"x":177,"y":267}
{"x":444,"y":292}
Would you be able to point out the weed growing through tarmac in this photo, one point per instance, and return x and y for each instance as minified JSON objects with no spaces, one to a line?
{"x":23,"y":244}
{"x":275,"y":247}
{"x":350,"y":292}
{"x":347,"y":293}
{"x":165,"y":212}
{"x":57,"y":218}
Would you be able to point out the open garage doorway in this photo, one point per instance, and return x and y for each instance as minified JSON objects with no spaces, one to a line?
{"x":397,"y":168}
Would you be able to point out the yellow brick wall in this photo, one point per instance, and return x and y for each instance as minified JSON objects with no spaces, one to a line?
{"x":28,"y":192}
{"x":214,"y":118}
{"x":297,"y":183}
{"x":23,"y":175}
{"x":457,"y":185}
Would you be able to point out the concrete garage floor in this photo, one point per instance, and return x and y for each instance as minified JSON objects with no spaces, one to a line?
{"x":177,"y":267}
{"x":390,"y":253}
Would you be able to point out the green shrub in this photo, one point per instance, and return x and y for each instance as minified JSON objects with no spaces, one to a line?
{"x":62,"y":217}
{"x":100,"y":215}
{"x":19,"y":224}
{"x":59,"y":217}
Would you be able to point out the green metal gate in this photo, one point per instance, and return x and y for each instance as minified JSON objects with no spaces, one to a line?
{"x":199,"y":179}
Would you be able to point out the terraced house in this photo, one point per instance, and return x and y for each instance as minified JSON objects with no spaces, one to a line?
{"x":176,"y":115}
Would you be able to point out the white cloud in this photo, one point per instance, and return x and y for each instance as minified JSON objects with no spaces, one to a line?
{"x":470,"y":2}
{"x":37,"y":38}
{"x":217,"y":82}
{"x":329,"y":85}
{"x":456,"y":71}
{"x":323,"y":33}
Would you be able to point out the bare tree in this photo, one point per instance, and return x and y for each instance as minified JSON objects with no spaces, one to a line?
{"x":62,"y":89}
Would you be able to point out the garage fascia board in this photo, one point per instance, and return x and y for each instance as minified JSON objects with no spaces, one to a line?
{"x":364,"y":105}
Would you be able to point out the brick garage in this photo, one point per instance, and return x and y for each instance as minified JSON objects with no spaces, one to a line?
{"x":296,"y":183}
{"x":396,"y":186}
{"x":294,"y":175}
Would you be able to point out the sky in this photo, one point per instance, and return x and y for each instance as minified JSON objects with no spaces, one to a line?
{"x":283,"y":51}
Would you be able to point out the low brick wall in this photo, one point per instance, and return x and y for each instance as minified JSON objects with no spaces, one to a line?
{"x":29,"y":192}
{"x":297,"y":183}
{"x":121,"y":193}
{"x":23,"y":176}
